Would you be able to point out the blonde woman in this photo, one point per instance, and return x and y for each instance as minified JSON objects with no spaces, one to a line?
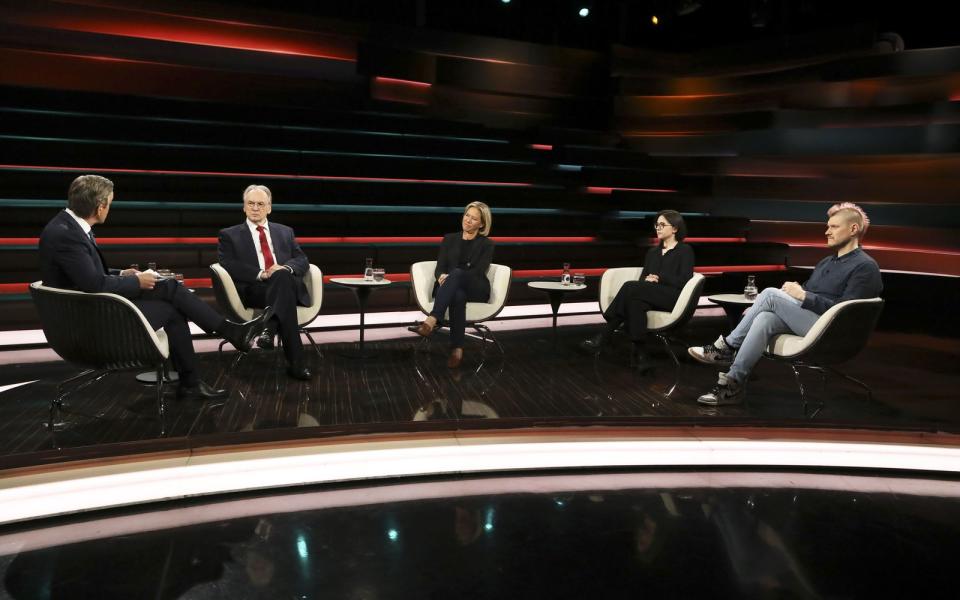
{"x":461,"y":276}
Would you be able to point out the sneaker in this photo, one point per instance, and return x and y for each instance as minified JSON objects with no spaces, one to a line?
{"x":727,"y":391}
{"x":717,"y":353}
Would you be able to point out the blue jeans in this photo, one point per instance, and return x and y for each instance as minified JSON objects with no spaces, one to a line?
{"x":774,"y":312}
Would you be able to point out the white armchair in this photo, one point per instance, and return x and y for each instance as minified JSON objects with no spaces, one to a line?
{"x":229,"y":299}
{"x":837,"y":336}
{"x":422,"y":280}
{"x":661,"y":323}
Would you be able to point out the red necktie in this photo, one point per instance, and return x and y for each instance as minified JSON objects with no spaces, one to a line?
{"x":265,"y":248}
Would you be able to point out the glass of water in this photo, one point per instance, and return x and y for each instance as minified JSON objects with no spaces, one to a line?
{"x":579,"y":278}
{"x":368,"y":270}
{"x":378,"y":274}
{"x":750,"y":291}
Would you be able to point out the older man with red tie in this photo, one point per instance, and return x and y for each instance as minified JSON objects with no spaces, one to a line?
{"x":268,"y":266}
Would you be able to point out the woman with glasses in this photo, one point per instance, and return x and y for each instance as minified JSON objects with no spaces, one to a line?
{"x":666,"y":269}
{"x":461,"y":276}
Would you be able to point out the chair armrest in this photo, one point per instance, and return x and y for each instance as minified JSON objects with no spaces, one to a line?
{"x":612,"y":280}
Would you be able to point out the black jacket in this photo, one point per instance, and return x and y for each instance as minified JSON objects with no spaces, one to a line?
{"x":675,"y":268}
{"x":478,"y":262}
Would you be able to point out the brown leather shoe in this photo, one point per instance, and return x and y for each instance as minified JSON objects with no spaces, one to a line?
{"x":456,"y":357}
{"x":425,"y":329}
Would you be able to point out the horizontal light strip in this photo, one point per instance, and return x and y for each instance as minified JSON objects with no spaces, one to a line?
{"x":235,"y":124}
{"x":163,"y":241}
{"x":293,"y":152}
{"x":883,"y":248}
{"x":82,"y":489}
{"x":170,"y":518}
{"x":49,"y":168}
{"x":592,"y":189}
{"x":287,"y":207}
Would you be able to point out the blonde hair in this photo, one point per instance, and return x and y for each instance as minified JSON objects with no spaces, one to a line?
{"x":853,"y":214}
{"x":262,"y":188}
{"x":486,"y":217}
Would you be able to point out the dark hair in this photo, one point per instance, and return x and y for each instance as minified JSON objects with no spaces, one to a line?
{"x":87,"y":193}
{"x":675,"y":219}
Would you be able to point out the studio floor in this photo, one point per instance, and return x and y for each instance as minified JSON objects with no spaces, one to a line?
{"x":538,"y":379}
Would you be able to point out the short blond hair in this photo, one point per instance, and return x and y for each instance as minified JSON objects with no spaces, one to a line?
{"x":486,"y":217}
{"x":853,"y":214}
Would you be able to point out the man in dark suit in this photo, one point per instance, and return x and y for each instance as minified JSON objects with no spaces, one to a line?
{"x":268,"y":266}
{"x":70,"y":259}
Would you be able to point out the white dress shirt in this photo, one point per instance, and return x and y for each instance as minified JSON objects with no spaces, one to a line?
{"x":256,"y":244}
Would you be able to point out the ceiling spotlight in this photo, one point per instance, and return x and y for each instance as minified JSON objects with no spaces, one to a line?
{"x":655,"y":20}
{"x":505,"y":1}
{"x":584,"y":11}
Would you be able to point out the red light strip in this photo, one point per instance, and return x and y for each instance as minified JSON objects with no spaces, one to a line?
{"x":544,"y":147}
{"x":156,"y":241}
{"x":593,"y":189}
{"x":392,"y":81}
{"x":264,"y":175}
{"x":723,"y":240}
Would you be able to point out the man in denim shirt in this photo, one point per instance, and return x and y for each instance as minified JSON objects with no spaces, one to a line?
{"x":850,"y":274}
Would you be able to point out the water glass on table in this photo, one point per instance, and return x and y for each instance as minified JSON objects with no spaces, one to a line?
{"x":579,"y":278}
{"x":378,"y":274}
{"x":750,"y":291}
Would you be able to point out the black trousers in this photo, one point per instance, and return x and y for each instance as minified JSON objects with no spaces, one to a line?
{"x":632,"y":302}
{"x":170,"y":305}
{"x":280,"y":292}
{"x":458,"y":289}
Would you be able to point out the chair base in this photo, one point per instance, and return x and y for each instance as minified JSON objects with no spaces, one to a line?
{"x":795,"y":366}
{"x":87,"y":378}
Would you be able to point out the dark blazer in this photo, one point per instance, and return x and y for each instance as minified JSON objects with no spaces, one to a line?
{"x":477,"y":263}
{"x":70,"y":260}
{"x":238,"y":256}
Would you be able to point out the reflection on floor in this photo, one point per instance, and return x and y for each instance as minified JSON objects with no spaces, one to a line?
{"x":612,"y":535}
{"x":538,"y":379}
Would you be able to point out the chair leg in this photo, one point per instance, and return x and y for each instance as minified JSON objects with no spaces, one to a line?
{"x":676,"y":363}
{"x":161,"y":407}
{"x":485,"y":332}
{"x":312,"y":342}
{"x":856,"y":381}
{"x":795,"y":367}
{"x":86,"y":378}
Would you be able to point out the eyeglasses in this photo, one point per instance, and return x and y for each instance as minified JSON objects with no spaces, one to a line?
{"x":661,"y":225}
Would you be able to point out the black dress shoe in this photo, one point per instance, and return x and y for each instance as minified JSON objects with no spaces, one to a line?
{"x":300,"y":372}
{"x":201,"y":391}
{"x":265,"y":340}
{"x":241,"y":335}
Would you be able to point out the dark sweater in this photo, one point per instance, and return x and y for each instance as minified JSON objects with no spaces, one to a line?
{"x":675,"y":267}
{"x":854,"y":275}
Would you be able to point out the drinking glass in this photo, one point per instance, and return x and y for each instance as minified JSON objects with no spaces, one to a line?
{"x":750,"y":291}
{"x":135,"y":266}
{"x":151,"y":266}
{"x":378,"y":274}
{"x":579,"y":278}
{"x":368,"y":270}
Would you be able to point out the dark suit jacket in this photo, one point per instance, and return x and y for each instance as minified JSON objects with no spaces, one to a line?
{"x":238,"y":256}
{"x":477,"y":263}
{"x":69,"y":260}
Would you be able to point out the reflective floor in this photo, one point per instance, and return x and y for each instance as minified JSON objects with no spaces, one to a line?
{"x":613,"y":535}
{"x":536,"y":380}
